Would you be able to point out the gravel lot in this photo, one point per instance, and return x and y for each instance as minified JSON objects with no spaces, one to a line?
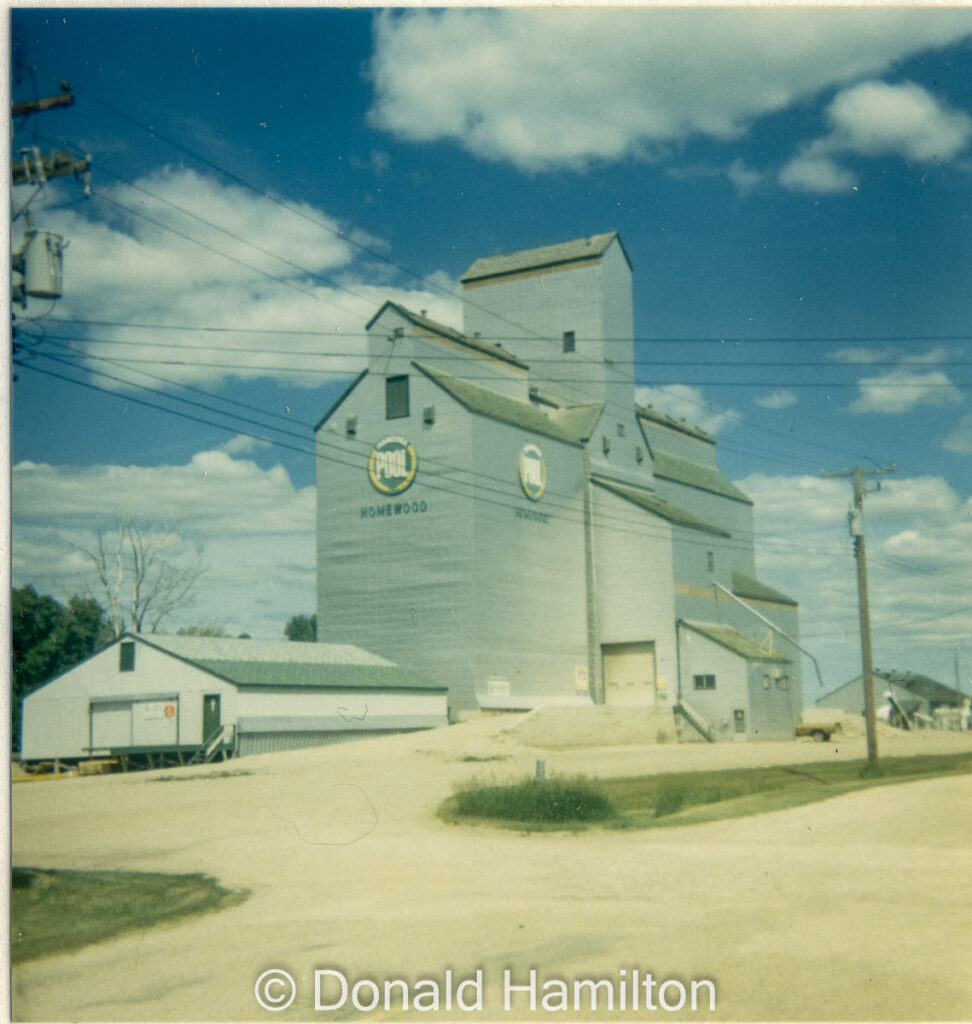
{"x":857,"y":908}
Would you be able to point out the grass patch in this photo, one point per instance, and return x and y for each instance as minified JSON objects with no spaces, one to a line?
{"x":59,"y":911}
{"x":550,"y":802}
{"x":684,"y":798}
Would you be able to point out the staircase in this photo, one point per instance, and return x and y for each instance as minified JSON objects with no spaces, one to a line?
{"x":694,"y":719}
{"x":214,"y":744}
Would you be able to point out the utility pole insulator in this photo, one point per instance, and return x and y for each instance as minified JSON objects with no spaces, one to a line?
{"x":37,"y":168}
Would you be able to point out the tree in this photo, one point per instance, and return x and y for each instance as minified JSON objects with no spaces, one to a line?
{"x":204,"y":629}
{"x":47,"y":639}
{"x":302,"y":628}
{"x":140,"y":576}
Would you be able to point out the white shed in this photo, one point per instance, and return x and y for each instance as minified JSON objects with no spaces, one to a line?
{"x":160,"y":700}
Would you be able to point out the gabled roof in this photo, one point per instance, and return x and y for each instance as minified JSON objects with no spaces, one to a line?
{"x":658,"y":507}
{"x":592,"y":247}
{"x":693,"y":474}
{"x":423,"y":323}
{"x":748,"y":586}
{"x":648,"y":412}
{"x":285,"y":663}
{"x":922,"y":686}
{"x":577,"y":420}
{"x":486,"y":402}
{"x":745,"y":646}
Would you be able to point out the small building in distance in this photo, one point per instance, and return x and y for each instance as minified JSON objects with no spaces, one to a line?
{"x":496,"y":512}
{"x":152,"y":701}
{"x":904,"y":699}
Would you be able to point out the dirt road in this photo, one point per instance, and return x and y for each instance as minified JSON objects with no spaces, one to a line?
{"x":858,"y":908}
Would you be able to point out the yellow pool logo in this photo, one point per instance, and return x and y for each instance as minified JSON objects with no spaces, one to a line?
{"x":392,"y":465}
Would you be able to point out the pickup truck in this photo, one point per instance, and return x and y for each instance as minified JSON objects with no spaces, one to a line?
{"x":820,"y":726}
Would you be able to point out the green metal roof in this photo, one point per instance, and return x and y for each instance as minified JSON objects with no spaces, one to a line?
{"x":745,"y":646}
{"x":546,"y":256}
{"x":692,"y":474}
{"x":657,"y":506}
{"x":476,"y":344}
{"x":486,"y":402}
{"x":748,"y":586}
{"x":647,"y":412}
{"x":316,"y":676}
{"x":285,"y":663}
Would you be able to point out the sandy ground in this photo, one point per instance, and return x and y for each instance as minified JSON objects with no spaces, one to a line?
{"x":857,"y":908}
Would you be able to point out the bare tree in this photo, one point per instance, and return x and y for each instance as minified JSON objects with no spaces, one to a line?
{"x":140,"y":577}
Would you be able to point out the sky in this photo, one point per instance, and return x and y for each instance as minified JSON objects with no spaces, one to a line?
{"x":792,"y":187}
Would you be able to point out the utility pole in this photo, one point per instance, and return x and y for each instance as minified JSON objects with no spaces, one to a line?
{"x":37,"y":265}
{"x":856,"y":517}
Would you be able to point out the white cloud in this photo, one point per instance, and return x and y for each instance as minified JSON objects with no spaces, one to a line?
{"x":256,"y":528}
{"x":280,"y":293}
{"x":877,"y":119}
{"x":546,"y":89}
{"x":778,"y":399}
{"x":242,"y":443}
{"x":919,"y":551}
{"x":686,"y":403}
{"x":744,"y":177}
{"x":900,"y":391}
{"x":817,"y":174}
{"x":863,"y":355}
{"x":959,"y":440}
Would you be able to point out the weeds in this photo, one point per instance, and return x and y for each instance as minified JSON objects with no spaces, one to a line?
{"x":545,"y":802}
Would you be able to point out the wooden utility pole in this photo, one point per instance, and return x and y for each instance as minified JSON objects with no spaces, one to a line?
{"x":856,"y":516}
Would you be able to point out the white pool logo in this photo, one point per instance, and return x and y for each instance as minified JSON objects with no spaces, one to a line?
{"x":533,"y":472}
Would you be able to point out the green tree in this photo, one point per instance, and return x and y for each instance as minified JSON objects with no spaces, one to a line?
{"x":203,"y":629}
{"x":302,"y":628}
{"x":47,"y":638}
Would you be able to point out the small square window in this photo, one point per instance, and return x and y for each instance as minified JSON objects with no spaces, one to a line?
{"x":126,"y":656}
{"x":396,"y":398}
{"x":570,"y":341}
{"x":706,"y":682}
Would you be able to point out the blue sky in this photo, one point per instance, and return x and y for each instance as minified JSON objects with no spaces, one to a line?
{"x":793,"y":188}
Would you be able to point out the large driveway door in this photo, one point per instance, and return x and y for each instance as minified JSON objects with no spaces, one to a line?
{"x":629,"y":673}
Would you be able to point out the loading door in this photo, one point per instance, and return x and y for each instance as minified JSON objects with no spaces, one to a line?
{"x":111,"y":724}
{"x":629,"y":673}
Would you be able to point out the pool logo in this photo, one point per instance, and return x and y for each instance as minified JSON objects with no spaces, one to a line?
{"x":392,"y":465}
{"x":533,"y":472}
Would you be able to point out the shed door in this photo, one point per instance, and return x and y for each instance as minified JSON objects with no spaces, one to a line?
{"x":211,"y":715}
{"x":629,"y":673}
{"x":111,"y":724}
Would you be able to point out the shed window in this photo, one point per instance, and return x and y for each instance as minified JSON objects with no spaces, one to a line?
{"x":570,"y":341}
{"x":704,"y":682}
{"x":126,"y":656}
{"x":710,"y":561}
{"x":396,"y":397}
{"x":782,"y":682}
